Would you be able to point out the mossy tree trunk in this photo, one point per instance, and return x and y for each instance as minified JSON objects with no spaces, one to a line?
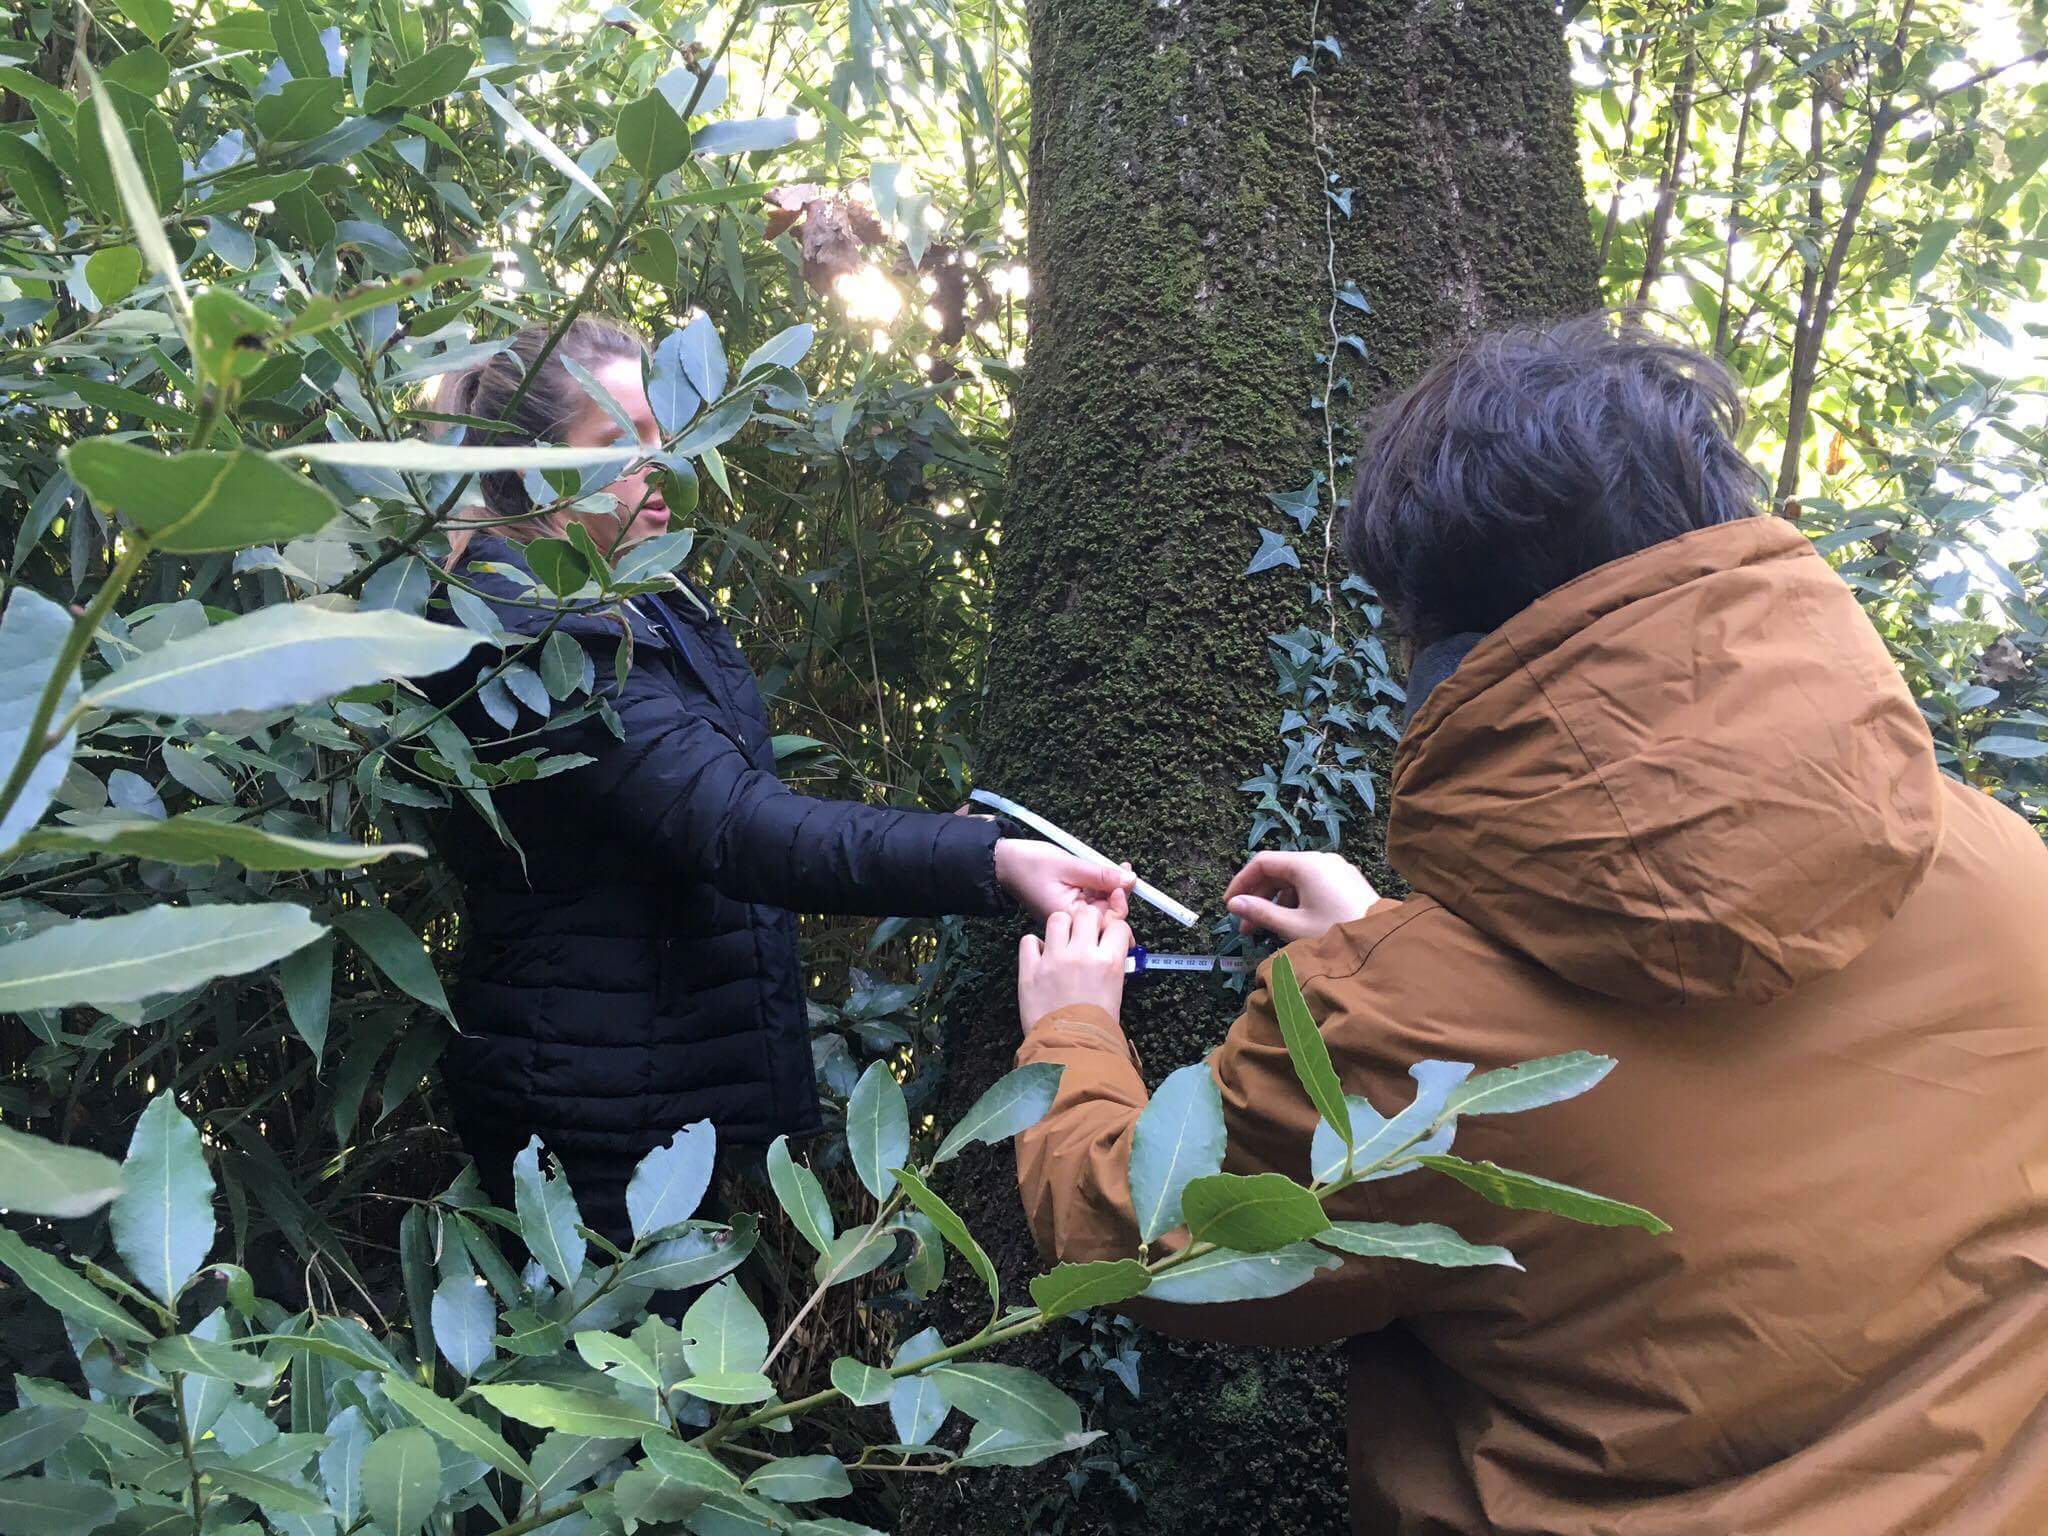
{"x":1182,"y":267}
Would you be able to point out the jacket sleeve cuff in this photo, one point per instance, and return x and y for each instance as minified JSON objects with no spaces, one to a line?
{"x":964,"y":866}
{"x":1078,"y":1026}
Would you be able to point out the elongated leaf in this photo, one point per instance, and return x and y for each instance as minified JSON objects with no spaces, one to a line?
{"x":29,"y":1435}
{"x":1423,"y":1243}
{"x":307,"y":979}
{"x":915,"y":1407}
{"x":107,"y":960}
{"x":702,"y":355}
{"x":1306,"y":1048}
{"x":600,"y":1415}
{"x":465,"y":1324}
{"x":669,"y":1183}
{"x":1526,"y":1192}
{"x":32,"y":634}
{"x":190,"y":1356}
{"x":451,"y":1424}
{"x":728,"y":1333}
{"x":401,"y":1480}
{"x":548,"y":1217}
{"x":398,"y":952}
{"x":1226,"y":1276}
{"x":428,"y":78}
{"x":877,"y":1128}
{"x":52,"y":1506}
{"x":163,"y":1222}
{"x":275,"y":658}
{"x":203,"y":500}
{"x":694,"y":1258}
{"x":415,"y":456}
{"x":516,"y":121}
{"x":1015,"y":1102}
{"x":62,"y":1287}
{"x":801,"y":1479}
{"x":137,"y":201}
{"x":736,"y":136}
{"x":1531,"y":1085}
{"x":785,"y":349}
{"x":341,"y":1463}
{"x":194,"y":839}
{"x":728,"y":1387}
{"x":1077,"y":1287}
{"x":44,"y":1178}
{"x":1254,"y":1213}
{"x":954,"y":1231}
{"x":1009,"y":1397}
{"x":1376,"y":1137}
{"x":863,"y":1385}
{"x":990,"y":1445}
{"x":801,"y":1195}
{"x":674,"y":398}
{"x":1179,"y":1138}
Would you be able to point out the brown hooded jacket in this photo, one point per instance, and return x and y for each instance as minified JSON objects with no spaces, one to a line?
{"x":1683,"y":813}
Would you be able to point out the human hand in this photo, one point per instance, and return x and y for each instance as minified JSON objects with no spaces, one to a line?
{"x":1298,"y":895}
{"x":1080,"y":961}
{"x":1044,"y":880}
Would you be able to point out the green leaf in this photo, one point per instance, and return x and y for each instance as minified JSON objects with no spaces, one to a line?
{"x":396,"y":950}
{"x":1421,"y":1127}
{"x":600,"y":1415}
{"x":1252,"y":1213}
{"x":558,"y":565}
{"x":745,"y":135}
{"x":785,"y":349}
{"x":1531,"y":1085}
{"x":196,"y":839}
{"x":401,"y":1480}
{"x":853,"y":1253}
{"x":108,"y":158}
{"x":33,"y":631}
{"x":1423,"y":1243}
{"x":1077,"y":1287}
{"x":153,"y":18}
{"x":277,"y":658}
{"x":728,"y":1387}
{"x":1015,"y":1102}
{"x":417,"y":457}
{"x":877,"y":1128}
{"x":701,"y":355}
{"x":31,"y":1434}
{"x":801,"y":1195}
{"x":990,"y":1445}
{"x":447,"y":1421}
{"x":954,"y":1231}
{"x":1222,"y":1275}
{"x":298,"y":44}
{"x":64,"y":1288}
{"x":1306,"y":1049}
{"x":686,"y":1464}
{"x":915,"y":1408}
{"x":107,"y":960}
{"x":113,"y":271}
{"x":190,"y":1356}
{"x":548,"y":1217}
{"x":864,"y":1386}
{"x":671,"y":394}
{"x":541,"y":144}
{"x":44,"y":1178}
{"x":163,"y":1222}
{"x":1009,"y":1397}
{"x":669,"y":1183}
{"x":465,"y":1324}
{"x":693,"y":1259}
{"x":52,"y":1506}
{"x":652,"y":139}
{"x":202,"y":501}
{"x":801,"y":1479}
{"x":1526,"y":1192}
{"x":307,"y":979}
{"x":1179,"y":1138}
{"x":430,"y":77}
{"x":276,"y":1497}
{"x":34,"y":182}
{"x":301,"y":110}
{"x":727,"y":1332}
{"x":230,"y":341}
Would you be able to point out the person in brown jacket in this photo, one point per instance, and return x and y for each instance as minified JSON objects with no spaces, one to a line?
{"x":1667,"y":801}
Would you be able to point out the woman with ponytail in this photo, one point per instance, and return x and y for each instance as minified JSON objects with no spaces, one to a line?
{"x":630,"y":964}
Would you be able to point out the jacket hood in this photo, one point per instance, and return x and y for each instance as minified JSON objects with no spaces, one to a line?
{"x":1691,"y":775}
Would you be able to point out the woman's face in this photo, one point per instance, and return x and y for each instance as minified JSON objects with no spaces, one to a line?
{"x":641,"y":513}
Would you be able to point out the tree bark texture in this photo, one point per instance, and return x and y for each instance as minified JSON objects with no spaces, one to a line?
{"x":1181,"y":272}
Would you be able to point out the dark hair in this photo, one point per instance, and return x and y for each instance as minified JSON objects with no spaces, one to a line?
{"x":1531,"y":456}
{"x":550,"y":407}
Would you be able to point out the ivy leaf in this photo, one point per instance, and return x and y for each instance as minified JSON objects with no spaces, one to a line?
{"x":1179,"y":1138}
{"x":1527,"y":1192}
{"x":1015,"y":1102}
{"x":877,"y":1128}
{"x":1300,"y":505}
{"x":163,"y":1223}
{"x":1274,"y":550}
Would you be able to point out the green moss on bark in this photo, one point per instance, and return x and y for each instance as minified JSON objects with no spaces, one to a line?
{"x":1179,"y":286}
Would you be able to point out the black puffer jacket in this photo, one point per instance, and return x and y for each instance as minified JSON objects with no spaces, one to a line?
{"x":639,"y":971}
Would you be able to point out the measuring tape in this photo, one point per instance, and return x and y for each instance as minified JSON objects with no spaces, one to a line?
{"x":1140,"y":960}
{"x":1143,"y":890}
